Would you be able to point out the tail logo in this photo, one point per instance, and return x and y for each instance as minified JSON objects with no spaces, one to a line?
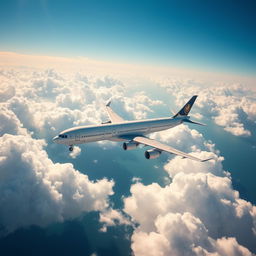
{"x":187,"y":109}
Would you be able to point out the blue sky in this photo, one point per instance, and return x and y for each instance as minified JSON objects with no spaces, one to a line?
{"x":210,"y":35}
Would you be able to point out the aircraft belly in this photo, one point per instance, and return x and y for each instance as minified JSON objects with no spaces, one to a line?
{"x":94,"y":138}
{"x":116,"y":139}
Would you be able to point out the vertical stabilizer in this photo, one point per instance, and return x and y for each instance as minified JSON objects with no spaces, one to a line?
{"x":187,"y":107}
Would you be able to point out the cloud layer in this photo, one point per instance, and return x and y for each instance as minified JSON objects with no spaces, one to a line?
{"x":35,"y":191}
{"x":37,"y":105}
{"x":231,"y":106}
{"x":198,"y":213}
{"x":47,"y":101}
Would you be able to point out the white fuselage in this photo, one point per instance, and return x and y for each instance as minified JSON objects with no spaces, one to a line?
{"x":123,"y":131}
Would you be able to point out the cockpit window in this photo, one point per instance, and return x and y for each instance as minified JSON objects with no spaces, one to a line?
{"x":62,"y":136}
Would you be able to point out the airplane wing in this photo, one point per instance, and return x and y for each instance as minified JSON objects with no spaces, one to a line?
{"x":166,"y":148}
{"x":114,"y":117}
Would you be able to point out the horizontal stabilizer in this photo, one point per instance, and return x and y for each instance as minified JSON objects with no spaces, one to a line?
{"x":193,"y":122}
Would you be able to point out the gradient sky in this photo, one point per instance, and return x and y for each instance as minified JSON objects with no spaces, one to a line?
{"x":210,"y":35}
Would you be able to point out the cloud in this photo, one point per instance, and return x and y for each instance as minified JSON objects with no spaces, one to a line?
{"x":186,"y":166}
{"x":36,"y":191}
{"x":6,"y":91}
{"x":9,"y":123}
{"x":184,"y":138}
{"x":112,"y":217}
{"x":206,"y":199}
{"x":198,"y":213}
{"x":183,"y":234}
{"x":128,"y":71}
{"x":231,"y":106}
{"x":47,"y":101}
{"x":76,"y":152}
{"x":136,"y":179}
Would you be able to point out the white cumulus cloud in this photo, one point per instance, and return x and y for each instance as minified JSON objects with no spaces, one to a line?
{"x":231,"y":106}
{"x":198,"y":213}
{"x":39,"y":104}
{"x":181,"y":235}
{"x":47,"y":102}
{"x":76,"y":152}
{"x":112,"y":217}
{"x":36,"y":191}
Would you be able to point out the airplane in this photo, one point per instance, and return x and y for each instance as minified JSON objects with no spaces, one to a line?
{"x":132,"y":133}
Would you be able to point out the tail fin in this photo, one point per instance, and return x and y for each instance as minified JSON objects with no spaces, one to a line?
{"x":185,"y":110}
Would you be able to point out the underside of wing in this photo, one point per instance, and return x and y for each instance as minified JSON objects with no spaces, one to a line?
{"x":114,"y":117}
{"x":166,"y":148}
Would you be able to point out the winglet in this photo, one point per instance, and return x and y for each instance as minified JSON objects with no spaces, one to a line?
{"x":114,"y":117}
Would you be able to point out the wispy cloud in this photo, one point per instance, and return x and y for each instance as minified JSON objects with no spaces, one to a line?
{"x":128,"y":71}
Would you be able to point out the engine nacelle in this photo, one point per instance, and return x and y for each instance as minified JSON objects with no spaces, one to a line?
{"x":152,"y":153}
{"x":130,"y":145}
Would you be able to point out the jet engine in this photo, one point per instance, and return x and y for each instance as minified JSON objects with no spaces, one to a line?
{"x":152,"y":153}
{"x":130,"y":145}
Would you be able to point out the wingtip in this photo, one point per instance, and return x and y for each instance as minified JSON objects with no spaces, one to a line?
{"x":202,"y":124}
{"x":108,"y":103}
{"x":206,"y":160}
{"x":193,"y":122}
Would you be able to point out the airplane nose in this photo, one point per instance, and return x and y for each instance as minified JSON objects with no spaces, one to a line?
{"x":55,"y":139}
